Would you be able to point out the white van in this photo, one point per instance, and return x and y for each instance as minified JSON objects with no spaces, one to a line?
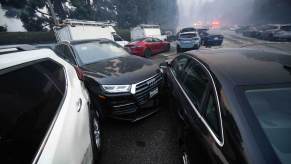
{"x":144,"y":31}
{"x":83,"y":30}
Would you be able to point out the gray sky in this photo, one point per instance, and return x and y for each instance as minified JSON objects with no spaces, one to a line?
{"x":226,"y":11}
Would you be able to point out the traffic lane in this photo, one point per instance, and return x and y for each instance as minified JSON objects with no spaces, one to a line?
{"x":234,"y":40}
{"x":149,"y":141}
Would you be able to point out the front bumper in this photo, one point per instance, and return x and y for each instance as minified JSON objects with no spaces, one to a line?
{"x":133,"y":107}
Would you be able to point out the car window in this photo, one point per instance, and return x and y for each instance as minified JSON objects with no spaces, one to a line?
{"x":30,"y":97}
{"x":190,"y":35}
{"x":117,"y":38}
{"x":148,"y":40}
{"x":211,"y":112}
{"x":156,"y":40}
{"x":65,"y":52}
{"x":195,"y":83}
{"x":271,"y":108}
{"x":286,"y":28}
{"x":178,"y":67}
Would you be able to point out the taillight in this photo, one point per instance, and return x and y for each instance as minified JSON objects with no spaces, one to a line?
{"x":80,"y":73}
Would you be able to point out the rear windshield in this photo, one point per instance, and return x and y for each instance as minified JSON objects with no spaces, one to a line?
{"x":188,"y":30}
{"x":188,"y":35}
{"x":272,"y":108}
{"x":92,"y":52}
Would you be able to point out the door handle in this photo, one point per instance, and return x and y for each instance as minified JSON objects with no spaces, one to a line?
{"x":79,"y":105}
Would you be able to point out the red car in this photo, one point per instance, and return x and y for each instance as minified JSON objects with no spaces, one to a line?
{"x":146,"y":47}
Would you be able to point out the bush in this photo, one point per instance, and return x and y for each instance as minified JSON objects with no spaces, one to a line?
{"x":26,"y":38}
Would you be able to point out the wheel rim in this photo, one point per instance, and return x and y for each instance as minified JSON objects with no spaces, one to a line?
{"x":185,"y":158}
{"x":147,"y":54}
{"x":96,"y":132}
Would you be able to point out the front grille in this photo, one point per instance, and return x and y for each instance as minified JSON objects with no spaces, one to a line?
{"x":143,"y":88}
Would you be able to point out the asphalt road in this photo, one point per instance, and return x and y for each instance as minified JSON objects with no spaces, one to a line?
{"x":154,"y":140}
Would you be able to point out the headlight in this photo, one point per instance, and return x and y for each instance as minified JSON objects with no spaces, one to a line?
{"x":116,"y":88}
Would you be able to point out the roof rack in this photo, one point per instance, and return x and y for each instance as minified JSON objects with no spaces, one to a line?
{"x":73,"y":22}
{"x":15,"y":48}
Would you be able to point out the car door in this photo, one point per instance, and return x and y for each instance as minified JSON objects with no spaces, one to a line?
{"x":40,"y":122}
{"x":150,"y":44}
{"x":69,"y":140}
{"x":175,"y":79}
{"x":203,"y":115}
{"x":158,"y":45}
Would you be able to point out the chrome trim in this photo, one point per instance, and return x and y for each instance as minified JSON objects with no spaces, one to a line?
{"x":133,"y":86}
{"x":220,"y":143}
{"x":118,"y":106}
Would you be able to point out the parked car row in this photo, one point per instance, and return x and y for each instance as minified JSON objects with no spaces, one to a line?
{"x":53,"y":103}
{"x":192,"y":38}
{"x":271,"y":32}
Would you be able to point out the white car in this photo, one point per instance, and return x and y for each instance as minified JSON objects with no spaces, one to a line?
{"x":45,"y":114}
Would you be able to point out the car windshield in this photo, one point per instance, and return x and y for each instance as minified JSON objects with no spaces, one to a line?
{"x":272,"y":110}
{"x":92,"y":52}
{"x":188,"y":35}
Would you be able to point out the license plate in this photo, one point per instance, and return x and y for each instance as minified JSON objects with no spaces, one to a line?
{"x":154,"y":92}
{"x":216,"y":38}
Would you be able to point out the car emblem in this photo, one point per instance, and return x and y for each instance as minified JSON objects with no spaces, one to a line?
{"x":151,"y":82}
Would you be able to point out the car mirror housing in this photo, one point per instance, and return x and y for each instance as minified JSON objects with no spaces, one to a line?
{"x":164,"y":65}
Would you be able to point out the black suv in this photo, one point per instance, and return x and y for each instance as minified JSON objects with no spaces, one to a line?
{"x":125,"y":86}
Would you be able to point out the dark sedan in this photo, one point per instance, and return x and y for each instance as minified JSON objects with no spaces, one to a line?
{"x":235,"y":105}
{"x":208,"y":39}
{"x":125,"y":86}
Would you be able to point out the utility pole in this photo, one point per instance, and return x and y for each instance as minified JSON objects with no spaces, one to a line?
{"x":51,"y":7}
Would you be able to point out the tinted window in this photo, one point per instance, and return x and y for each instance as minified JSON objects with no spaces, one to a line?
{"x":179,"y":65}
{"x":286,"y":28}
{"x":148,"y":40}
{"x":92,"y":52}
{"x":272,"y":108}
{"x":195,"y":83}
{"x":156,"y":40}
{"x":117,"y":38}
{"x":65,"y":52}
{"x":188,"y":30}
{"x":29,"y":99}
{"x":188,"y":35}
{"x":211,"y":112}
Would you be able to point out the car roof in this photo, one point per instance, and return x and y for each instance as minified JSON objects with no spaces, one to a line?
{"x":242,"y":66}
{"x":74,"y":42}
{"x":19,"y":57}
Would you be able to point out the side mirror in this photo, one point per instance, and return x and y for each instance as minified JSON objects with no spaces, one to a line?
{"x":164,"y":65}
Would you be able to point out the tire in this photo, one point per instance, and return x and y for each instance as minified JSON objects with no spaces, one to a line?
{"x":179,"y":49}
{"x":167,"y":48}
{"x":95,"y":133}
{"x":147,"y":53}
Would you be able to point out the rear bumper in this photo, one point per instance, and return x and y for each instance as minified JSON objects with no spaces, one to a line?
{"x":188,"y":45}
{"x":136,"y":51}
